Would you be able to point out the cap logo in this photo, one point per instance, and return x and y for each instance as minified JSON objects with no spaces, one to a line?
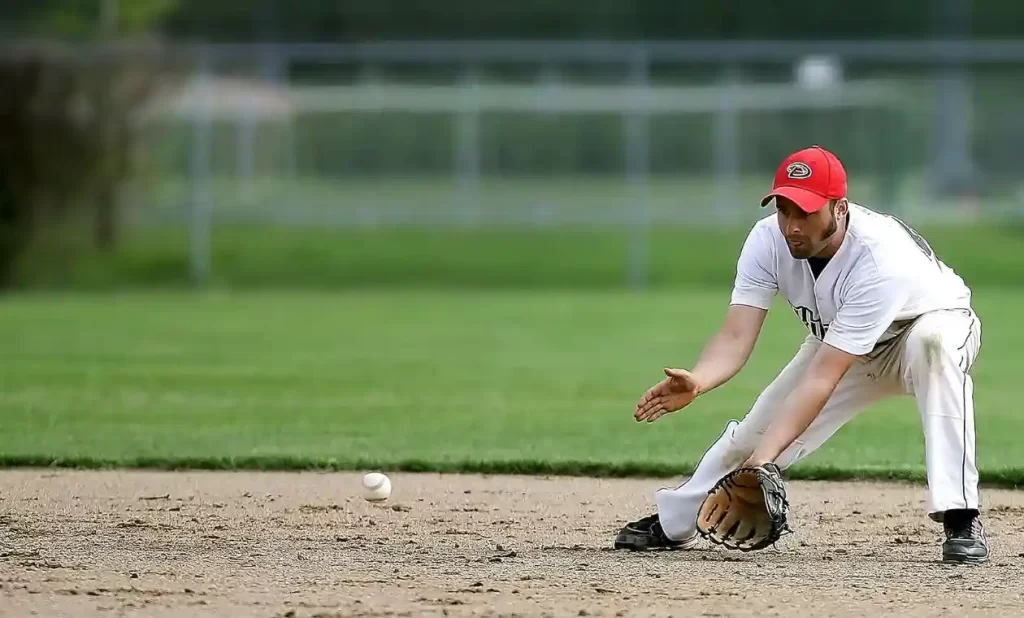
{"x":798,"y":171}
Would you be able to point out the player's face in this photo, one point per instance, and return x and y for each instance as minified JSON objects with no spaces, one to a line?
{"x":807,"y":234}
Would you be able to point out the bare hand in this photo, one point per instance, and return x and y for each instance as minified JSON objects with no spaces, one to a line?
{"x":673,"y":393}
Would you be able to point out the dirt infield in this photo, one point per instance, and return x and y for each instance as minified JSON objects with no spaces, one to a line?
{"x":302,"y":545}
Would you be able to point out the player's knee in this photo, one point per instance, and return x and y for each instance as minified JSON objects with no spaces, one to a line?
{"x":929,"y":347}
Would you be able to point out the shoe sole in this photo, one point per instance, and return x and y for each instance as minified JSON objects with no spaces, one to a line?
{"x":961,"y":554}
{"x":962,"y":559}
{"x":621,"y":543}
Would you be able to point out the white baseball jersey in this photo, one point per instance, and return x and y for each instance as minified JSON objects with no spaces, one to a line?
{"x":882,"y":276}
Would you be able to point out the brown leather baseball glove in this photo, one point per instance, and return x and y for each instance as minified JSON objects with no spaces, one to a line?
{"x":746,"y":510}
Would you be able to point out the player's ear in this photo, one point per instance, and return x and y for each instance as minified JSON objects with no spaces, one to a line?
{"x":842,"y":207}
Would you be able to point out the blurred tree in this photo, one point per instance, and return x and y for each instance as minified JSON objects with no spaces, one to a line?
{"x":68,"y":118}
{"x":90,"y":19}
{"x":69,"y":130}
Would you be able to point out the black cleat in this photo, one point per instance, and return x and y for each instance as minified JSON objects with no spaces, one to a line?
{"x":965,"y":538}
{"x":646,"y":533}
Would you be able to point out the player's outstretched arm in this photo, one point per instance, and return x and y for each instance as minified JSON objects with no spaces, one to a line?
{"x":803,"y":404}
{"x":722,"y":358}
{"x":730,"y":348}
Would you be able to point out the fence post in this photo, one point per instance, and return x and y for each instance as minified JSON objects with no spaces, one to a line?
{"x":637,"y":140}
{"x":245,"y":127}
{"x":727,"y":144}
{"x":276,"y":67}
{"x":953,"y":165}
{"x":467,"y":147}
{"x":199,"y":211}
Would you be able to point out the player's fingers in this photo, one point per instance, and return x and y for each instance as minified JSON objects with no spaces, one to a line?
{"x":642,"y":413}
{"x":660,"y":412}
{"x":642,"y":405}
{"x":650,"y":408}
{"x":645,"y":416}
{"x":652,"y":404}
{"x":645,"y":398}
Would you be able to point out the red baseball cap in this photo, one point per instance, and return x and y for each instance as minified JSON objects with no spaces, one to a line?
{"x":811,"y":178}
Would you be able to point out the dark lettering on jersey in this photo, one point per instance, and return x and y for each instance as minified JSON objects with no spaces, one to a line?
{"x":919,"y":240}
{"x":811,"y":321}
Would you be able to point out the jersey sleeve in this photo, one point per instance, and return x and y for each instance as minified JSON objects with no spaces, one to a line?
{"x":756,"y":283}
{"x":868,"y":308}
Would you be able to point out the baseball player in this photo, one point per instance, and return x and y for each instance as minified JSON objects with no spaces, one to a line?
{"x":885,"y":317}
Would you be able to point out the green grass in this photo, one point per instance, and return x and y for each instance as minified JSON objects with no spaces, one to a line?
{"x":557,"y":257}
{"x":499,"y":381}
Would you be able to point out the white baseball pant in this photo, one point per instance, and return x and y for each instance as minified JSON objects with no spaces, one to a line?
{"x":930,"y":361}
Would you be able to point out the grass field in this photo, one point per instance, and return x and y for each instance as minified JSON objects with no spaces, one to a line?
{"x":556,"y":257}
{"x":539,"y":381}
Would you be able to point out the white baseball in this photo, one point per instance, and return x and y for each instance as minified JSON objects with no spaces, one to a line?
{"x":376,"y":487}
